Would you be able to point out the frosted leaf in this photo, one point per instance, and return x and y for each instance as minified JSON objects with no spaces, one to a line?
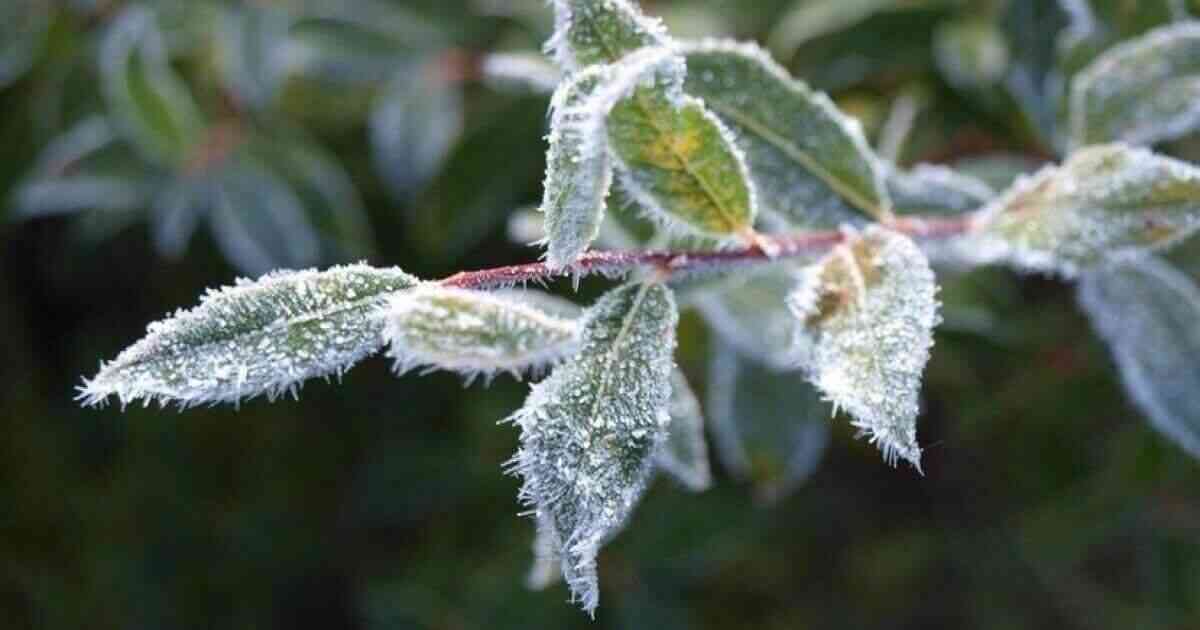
{"x":680,"y":163}
{"x":473,"y":332}
{"x":867,"y":313}
{"x":530,"y":72}
{"x":930,"y":189}
{"x":252,"y":52}
{"x":1104,"y":202}
{"x":771,"y":427}
{"x":808,"y":162}
{"x":588,"y":32}
{"x":148,"y":101}
{"x":751,"y":315}
{"x":257,"y":337}
{"x":1148,"y":313}
{"x":684,"y":456}
{"x":1143,"y":91}
{"x":590,"y":430}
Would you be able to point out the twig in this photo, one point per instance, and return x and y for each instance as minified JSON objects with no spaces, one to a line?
{"x":672,"y":263}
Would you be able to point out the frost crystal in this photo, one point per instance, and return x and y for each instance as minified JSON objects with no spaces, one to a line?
{"x":472,"y":332}
{"x":810,"y":163}
{"x":1104,"y":203}
{"x":578,"y":166}
{"x":684,"y":456}
{"x":867,"y":313}
{"x":589,"y":432}
{"x":588,"y":32}
{"x":1148,"y":312}
{"x":771,"y":428}
{"x":1143,"y":91}
{"x":257,"y":337}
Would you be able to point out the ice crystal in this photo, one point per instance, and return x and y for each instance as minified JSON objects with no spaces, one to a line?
{"x":1105,"y":202}
{"x":473,"y":332}
{"x":684,"y":456}
{"x":867,"y":313}
{"x":589,"y":432}
{"x":1148,"y":312}
{"x":257,"y":337}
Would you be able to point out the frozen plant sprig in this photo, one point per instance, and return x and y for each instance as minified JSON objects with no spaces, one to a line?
{"x":713,"y":138}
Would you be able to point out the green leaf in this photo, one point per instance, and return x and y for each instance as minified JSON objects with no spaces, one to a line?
{"x":684,"y":456}
{"x":149,"y":102}
{"x":473,"y":332}
{"x":771,"y":428}
{"x":809,"y":162}
{"x":590,"y":430}
{"x":1104,"y":202}
{"x":750,"y":315}
{"x":1148,"y":311}
{"x":252,"y":52}
{"x":257,"y":337}
{"x":588,"y":32}
{"x":416,"y":122}
{"x":1141,"y":92}
{"x":867,"y":313}
{"x":930,"y":189}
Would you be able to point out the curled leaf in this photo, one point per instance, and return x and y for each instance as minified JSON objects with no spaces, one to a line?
{"x":867,"y":313}
{"x":589,"y":432}
{"x":257,"y":337}
{"x":1143,"y":91}
{"x":1103,"y":203}
{"x":809,"y":162}
{"x":684,"y":456}
{"x":473,"y":332}
{"x":1148,"y":312}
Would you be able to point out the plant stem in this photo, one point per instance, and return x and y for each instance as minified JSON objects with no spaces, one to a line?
{"x":678,"y":262}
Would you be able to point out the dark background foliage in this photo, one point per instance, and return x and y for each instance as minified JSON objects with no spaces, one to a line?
{"x":1047,"y":502}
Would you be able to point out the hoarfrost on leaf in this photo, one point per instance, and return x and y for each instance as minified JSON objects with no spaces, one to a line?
{"x":1148,"y":313}
{"x":590,"y":430}
{"x":932,"y":189}
{"x":867,"y":313}
{"x":1142,"y":91}
{"x":588,"y":32}
{"x":1104,"y":203}
{"x":473,"y":332}
{"x":809,"y":162}
{"x":257,"y":337}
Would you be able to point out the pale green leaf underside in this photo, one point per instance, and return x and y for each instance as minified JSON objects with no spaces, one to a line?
{"x":1103,"y":203}
{"x":1148,"y":313}
{"x":473,"y":332}
{"x":867,"y":313}
{"x":684,"y":455}
{"x":590,"y":430}
{"x":809,"y":162}
{"x":1143,"y":91}
{"x":258,"y":337}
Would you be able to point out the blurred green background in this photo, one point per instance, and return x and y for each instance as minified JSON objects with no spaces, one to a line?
{"x":151,"y":150}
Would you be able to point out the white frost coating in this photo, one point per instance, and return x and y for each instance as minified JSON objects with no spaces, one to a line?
{"x":1149,"y":313}
{"x":473,"y":332}
{"x":618,"y":20}
{"x":589,"y":432}
{"x":684,"y":456}
{"x":867,"y":315}
{"x":579,"y":163}
{"x":257,"y":337}
{"x":528,"y":70}
{"x":1143,"y":91}
{"x":1104,"y":203}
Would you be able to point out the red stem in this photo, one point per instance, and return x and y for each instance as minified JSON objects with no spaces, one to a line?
{"x":670,"y":263}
